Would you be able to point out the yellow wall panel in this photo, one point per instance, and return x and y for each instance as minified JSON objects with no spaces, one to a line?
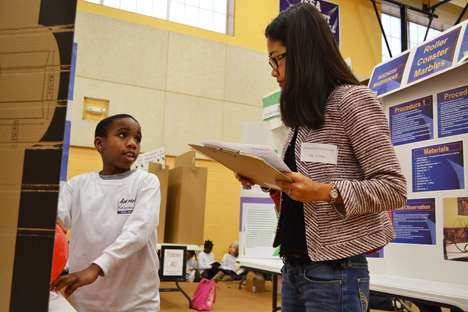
{"x":263,"y":9}
{"x":252,"y":17}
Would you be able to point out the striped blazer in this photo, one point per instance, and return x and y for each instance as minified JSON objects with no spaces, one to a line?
{"x":367,"y":174}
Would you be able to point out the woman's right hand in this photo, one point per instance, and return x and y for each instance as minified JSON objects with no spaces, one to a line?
{"x":247,"y":184}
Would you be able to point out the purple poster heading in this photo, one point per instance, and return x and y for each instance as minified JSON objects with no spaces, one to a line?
{"x":452,"y":110}
{"x":329,"y":10}
{"x":434,"y":56}
{"x":415,"y":222}
{"x":438,"y":167}
{"x":387,"y":77}
{"x":412,"y":121}
{"x":464,"y":45}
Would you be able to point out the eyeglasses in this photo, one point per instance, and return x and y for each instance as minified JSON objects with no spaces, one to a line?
{"x":274,"y":60}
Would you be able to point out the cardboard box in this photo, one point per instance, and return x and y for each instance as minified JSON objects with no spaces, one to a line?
{"x":186,"y":195}
{"x":36,"y":44}
{"x":163,"y":176}
{"x":253,"y":284}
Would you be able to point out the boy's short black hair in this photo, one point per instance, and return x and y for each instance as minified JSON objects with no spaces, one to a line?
{"x":208,"y":243}
{"x":106,"y":123}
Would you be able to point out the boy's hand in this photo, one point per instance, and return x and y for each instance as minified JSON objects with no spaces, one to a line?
{"x":60,"y":224}
{"x":214,"y":266}
{"x":77,"y":279}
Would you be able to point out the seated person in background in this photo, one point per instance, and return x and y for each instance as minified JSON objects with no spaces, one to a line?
{"x":206,"y":265}
{"x":191,"y":272}
{"x":229,"y":271}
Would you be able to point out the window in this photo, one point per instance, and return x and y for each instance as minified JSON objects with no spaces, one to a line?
{"x":392,"y":28}
{"x":417,"y":33}
{"x":213,"y":15}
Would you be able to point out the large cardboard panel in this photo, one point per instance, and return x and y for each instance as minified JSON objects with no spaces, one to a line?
{"x":163,"y":176}
{"x":36,"y":42}
{"x":185,"y":215}
{"x":185,"y":160}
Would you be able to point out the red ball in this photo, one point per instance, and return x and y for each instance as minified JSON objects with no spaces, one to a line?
{"x":60,"y":253}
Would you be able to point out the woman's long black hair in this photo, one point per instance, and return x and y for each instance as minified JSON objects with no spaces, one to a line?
{"x":314,"y":66}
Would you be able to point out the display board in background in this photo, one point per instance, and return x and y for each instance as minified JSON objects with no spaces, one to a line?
{"x":258,"y":226}
{"x":155,"y":156}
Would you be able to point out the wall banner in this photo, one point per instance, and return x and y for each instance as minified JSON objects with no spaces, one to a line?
{"x":329,"y":10}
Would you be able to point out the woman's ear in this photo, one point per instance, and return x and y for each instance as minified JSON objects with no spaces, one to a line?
{"x":98,"y":143}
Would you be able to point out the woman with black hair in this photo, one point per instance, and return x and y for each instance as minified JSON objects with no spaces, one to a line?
{"x":345,"y":171}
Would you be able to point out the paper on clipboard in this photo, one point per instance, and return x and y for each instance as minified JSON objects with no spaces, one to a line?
{"x":264,"y":152}
{"x":249,"y":166}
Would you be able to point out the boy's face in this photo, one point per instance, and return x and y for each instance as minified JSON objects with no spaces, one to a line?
{"x":208,"y":249}
{"x":121,"y":147}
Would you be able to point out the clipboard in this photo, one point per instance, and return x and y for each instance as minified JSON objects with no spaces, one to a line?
{"x":253,"y":168}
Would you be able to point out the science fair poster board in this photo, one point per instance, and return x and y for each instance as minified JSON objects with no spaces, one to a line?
{"x":427,"y":114}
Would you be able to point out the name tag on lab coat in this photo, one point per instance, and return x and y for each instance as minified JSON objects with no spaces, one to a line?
{"x":321,"y":153}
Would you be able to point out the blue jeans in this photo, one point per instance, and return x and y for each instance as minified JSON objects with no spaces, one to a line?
{"x":331,"y":286}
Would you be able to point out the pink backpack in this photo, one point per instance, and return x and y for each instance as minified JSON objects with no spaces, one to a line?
{"x":205,"y":295}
